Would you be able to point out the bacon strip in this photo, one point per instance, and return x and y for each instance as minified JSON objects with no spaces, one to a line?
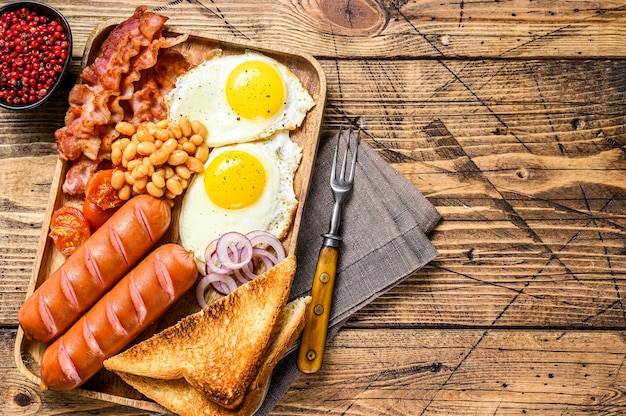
{"x":97,"y":102}
{"x":78,"y":174}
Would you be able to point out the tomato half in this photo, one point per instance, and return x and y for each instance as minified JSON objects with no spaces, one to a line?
{"x":69,"y":229}
{"x":100,"y":191}
{"x":96,"y":215}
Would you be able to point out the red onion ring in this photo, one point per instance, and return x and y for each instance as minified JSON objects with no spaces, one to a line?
{"x":227,"y":244}
{"x":213,"y":279}
{"x":266,"y":257}
{"x":256,"y":233}
{"x":235,"y":257}
{"x":224,"y":287}
{"x":257,"y":238}
{"x":211,"y":261}
{"x":246,"y":273}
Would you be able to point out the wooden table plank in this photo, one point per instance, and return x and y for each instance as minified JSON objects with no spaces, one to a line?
{"x":430,"y":371}
{"x":435,"y":29}
{"x":465,"y":372}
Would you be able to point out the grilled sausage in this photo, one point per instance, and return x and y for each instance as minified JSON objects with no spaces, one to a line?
{"x":94,"y":268}
{"x":122,"y":314}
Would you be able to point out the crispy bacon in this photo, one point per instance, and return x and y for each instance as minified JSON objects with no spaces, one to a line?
{"x":148,"y":101}
{"x":168,"y":68}
{"x":142,"y":89}
{"x":78,"y":174}
{"x":97,"y":103}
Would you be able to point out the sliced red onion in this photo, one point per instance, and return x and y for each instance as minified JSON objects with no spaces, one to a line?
{"x":255,"y":233}
{"x":246,"y":273}
{"x":211,"y":262}
{"x":268,"y":259}
{"x":225,"y":246}
{"x":218,"y":281}
{"x":236,"y":256}
{"x":224,"y":288}
{"x":265,"y":254}
{"x":266,"y":238}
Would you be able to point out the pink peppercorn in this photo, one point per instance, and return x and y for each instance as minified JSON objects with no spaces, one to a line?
{"x":33,"y":50}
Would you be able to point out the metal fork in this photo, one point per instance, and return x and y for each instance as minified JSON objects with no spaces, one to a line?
{"x":313,"y":338}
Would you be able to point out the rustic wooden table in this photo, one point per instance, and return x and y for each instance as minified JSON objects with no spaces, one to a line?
{"x":509,"y":115}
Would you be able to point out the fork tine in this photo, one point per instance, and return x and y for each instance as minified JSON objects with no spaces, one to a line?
{"x":356,"y":150}
{"x":333,"y":170}
{"x":345,"y":155}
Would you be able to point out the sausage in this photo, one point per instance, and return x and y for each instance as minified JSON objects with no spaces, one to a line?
{"x":118,"y":317}
{"x":109,"y":253}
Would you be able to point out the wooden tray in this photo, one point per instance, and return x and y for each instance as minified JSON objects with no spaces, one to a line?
{"x":105,"y":385}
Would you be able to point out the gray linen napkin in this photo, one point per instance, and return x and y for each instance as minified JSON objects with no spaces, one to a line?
{"x":384,"y":226}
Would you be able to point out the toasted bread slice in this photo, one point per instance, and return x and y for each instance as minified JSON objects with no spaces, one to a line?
{"x":180,"y":397}
{"x":219,"y":349}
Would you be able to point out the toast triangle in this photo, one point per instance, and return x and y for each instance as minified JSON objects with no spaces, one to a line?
{"x":180,"y":397}
{"x":219,"y":349}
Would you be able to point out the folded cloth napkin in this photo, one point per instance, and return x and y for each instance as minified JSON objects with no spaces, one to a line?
{"x":384,"y":225}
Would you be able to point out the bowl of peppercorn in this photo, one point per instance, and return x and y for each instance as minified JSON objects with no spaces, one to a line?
{"x":35,"y":53}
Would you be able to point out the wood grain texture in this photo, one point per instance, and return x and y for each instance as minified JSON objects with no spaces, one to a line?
{"x":508,"y":115}
{"x":459,"y":372}
{"x":530,"y":188}
{"x":390,"y":29}
{"x":430,"y":371}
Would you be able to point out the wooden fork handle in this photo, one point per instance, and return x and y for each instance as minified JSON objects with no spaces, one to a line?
{"x":313,"y":338}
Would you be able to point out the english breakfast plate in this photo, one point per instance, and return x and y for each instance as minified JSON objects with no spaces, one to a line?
{"x":106,"y":385}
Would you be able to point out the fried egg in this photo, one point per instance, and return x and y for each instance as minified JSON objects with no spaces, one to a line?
{"x":244,"y":187}
{"x":240,"y":98}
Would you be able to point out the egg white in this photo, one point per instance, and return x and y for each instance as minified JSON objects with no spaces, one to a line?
{"x":200,"y":94}
{"x":201,"y":221}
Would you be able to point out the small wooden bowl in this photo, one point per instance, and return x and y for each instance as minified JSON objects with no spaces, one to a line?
{"x":52,"y":14}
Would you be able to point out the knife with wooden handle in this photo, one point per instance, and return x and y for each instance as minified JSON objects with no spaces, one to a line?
{"x":315,"y":329}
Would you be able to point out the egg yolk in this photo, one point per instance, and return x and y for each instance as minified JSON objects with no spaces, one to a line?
{"x":234,"y":179}
{"x":255,"y":90}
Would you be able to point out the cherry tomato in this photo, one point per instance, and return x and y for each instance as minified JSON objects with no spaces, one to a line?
{"x":100,"y":191}
{"x":69,"y":229}
{"x":96,"y":215}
